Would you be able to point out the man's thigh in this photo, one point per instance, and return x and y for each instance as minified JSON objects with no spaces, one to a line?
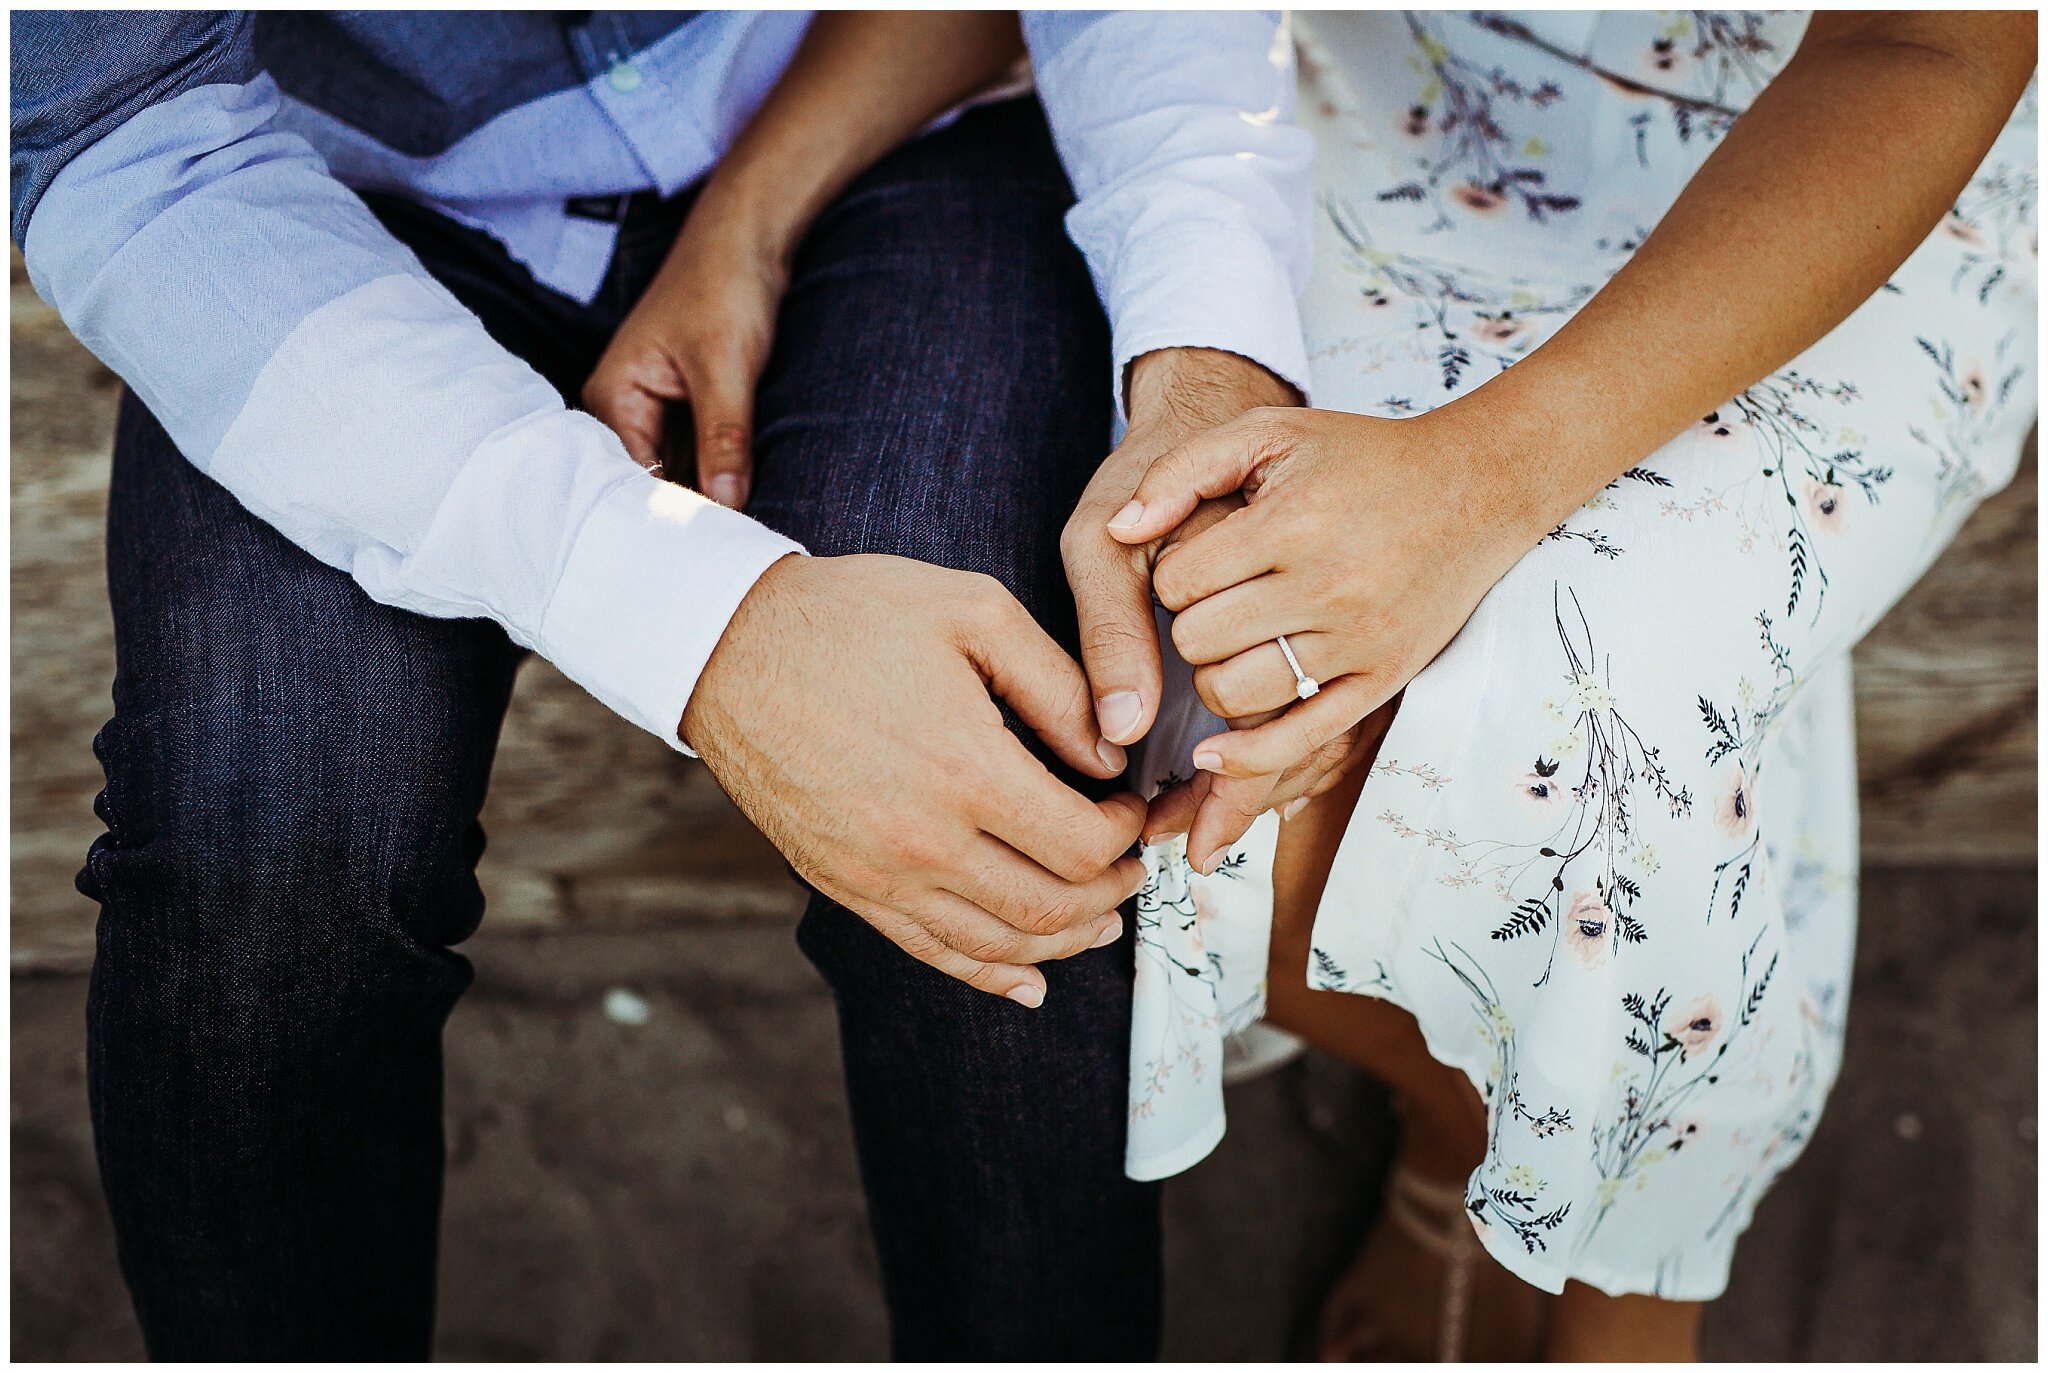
{"x":939,"y":386}
{"x":939,"y":390}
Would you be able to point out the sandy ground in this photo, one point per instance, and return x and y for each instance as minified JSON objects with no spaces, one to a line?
{"x":685,"y":1189}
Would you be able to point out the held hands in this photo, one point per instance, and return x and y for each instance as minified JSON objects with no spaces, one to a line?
{"x":888,"y":779}
{"x":1367,"y":542}
{"x":1175,"y":395}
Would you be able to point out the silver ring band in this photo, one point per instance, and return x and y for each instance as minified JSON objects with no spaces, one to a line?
{"x":1305,"y":686}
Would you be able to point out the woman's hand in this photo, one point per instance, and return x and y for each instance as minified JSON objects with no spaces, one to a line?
{"x":1174,"y":394}
{"x":1367,"y":542}
{"x":859,"y":84}
{"x":700,"y":335}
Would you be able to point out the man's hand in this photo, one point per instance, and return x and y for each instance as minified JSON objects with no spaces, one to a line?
{"x":1175,"y":394}
{"x":847,"y":710}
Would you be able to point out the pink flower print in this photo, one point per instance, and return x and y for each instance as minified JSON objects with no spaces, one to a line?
{"x":1735,"y":807}
{"x":1497,"y":329}
{"x":1585,"y":928}
{"x":1539,"y":790}
{"x":1714,"y":425}
{"x":1415,"y":123}
{"x":1824,"y":502}
{"x":1976,"y":390}
{"x":1205,"y":905}
{"x":1961,"y":230}
{"x":1480,"y":200}
{"x":1697,"y":1023}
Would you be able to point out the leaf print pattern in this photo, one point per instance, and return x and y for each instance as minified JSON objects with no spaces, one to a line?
{"x":1674,"y":1054}
{"x":1993,"y":221}
{"x":1740,"y":733}
{"x":1460,"y":321}
{"x":1476,"y":165}
{"x":1972,"y":400}
{"x":1514,"y":1201}
{"x":1607,"y":855}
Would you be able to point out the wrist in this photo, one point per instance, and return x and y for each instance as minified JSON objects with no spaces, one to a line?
{"x":1199,"y":388}
{"x":745,"y":218}
{"x":734,"y":662}
{"x":1533,"y":452}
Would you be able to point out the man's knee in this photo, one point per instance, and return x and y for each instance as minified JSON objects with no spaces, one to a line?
{"x":269,"y":857}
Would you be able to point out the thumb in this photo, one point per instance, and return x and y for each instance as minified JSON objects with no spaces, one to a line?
{"x":722,"y":405}
{"x":1119,"y":639}
{"x":1230,"y":808}
{"x":1214,"y":463}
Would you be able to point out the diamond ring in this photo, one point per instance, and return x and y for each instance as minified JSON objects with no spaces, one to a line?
{"x":1305,"y":686}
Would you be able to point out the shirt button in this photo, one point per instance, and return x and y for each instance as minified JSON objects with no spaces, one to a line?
{"x":624,"y":77}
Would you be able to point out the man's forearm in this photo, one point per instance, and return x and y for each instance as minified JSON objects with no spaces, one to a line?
{"x":1839,"y":170}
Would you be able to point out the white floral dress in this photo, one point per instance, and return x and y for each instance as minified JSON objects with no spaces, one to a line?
{"x":1607,"y":855}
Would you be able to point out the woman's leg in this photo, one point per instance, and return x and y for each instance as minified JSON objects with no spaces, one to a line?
{"x":1392,"y":1296}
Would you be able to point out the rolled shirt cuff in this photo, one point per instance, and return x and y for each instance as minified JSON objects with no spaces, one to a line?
{"x":654,"y":578}
{"x":1209,"y":287}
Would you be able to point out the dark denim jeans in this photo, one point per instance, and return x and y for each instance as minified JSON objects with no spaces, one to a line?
{"x":294,"y":774}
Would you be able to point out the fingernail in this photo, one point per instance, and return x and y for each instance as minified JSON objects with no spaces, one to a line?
{"x":1164,"y":836}
{"x":1128,"y":517}
{"x":1293,"y":808}
{"x":1118,"y":714}
{"x":1110,"y":934}
{"x":1208,"y":865}
{"x":728,"y":490}
{"x":1026,"y":994}
{"x":1112,"y":756}
{"x":1208,"y":760}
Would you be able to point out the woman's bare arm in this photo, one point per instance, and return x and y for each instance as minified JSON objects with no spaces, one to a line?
{"x":860,"y":84}
{"x":1843,"y":165}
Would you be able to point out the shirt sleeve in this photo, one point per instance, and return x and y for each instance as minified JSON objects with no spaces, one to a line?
{"x":301,"y":357}
{"x":1195,"y":185}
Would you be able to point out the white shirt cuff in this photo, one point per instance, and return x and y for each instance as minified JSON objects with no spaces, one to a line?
{"x":655,"y":576}
{"x":1205,"y":287}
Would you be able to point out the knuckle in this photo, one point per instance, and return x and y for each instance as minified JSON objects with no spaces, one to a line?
{"x":1272,"y":420}
{"x":1080,"y":542}
{"x":727,"y":437}
{"x":1226,"y":694}
{"x":1173,"y":579}
{"x":985,"y":594}
{"x":1195,"y":635}
{"x":920,"y":943}
{"x":984,"y":947}
{"x":1113,"y":637}
{"x":1053,"y":913}
{"x":912,"y":844}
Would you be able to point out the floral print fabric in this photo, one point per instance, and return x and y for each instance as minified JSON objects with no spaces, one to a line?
{"x":1607,"y":854}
